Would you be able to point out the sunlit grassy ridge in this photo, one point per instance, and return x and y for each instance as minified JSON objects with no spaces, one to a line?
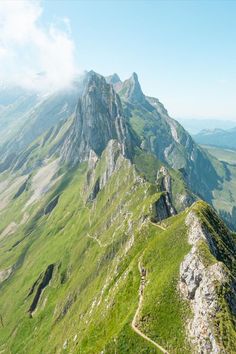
{"x":95,"y":247}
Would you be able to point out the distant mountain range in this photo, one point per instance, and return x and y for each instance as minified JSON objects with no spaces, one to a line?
{"x":195,"y":125}
{"x":116,"y":227}
{"x":217,"y":137}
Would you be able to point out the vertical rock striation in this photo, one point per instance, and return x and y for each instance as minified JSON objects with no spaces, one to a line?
{"x":98,"y":119}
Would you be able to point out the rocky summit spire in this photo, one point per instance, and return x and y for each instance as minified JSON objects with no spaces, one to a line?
{"x":98,"y":119}
{"x":113,"y":79}
{"x":131,"y":90}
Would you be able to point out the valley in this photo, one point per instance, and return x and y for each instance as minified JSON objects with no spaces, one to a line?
{"x":222,"y":154}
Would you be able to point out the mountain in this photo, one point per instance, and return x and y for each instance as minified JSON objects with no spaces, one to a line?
{"x":217,"y":137}
{"x":194,"y":126}
{"x":28,"y":116}
{"x":161,"y":135}
{"x":104,"y":241}
{"x":98,"y":119}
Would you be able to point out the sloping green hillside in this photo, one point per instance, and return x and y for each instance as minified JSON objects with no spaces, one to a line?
{"x":74,"y":283}
{"x":103,"y":247}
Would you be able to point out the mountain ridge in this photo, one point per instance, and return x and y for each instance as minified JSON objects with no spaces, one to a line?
{"x":217,"y":137}
{"x":96,"y":196}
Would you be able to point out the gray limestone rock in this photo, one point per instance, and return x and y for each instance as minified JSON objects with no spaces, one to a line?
{"x":198,"y":284}
{"x":98,"y":119}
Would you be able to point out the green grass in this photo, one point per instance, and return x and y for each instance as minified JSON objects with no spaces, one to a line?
{"x":93,"y":293}
{"x":225,"y":322}
{"x":221,"y":154}
{"x":84,"y":272}
{"x":164,"y":314}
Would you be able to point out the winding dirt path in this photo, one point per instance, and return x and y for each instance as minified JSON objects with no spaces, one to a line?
{"x":143,"y":274}
{"x":97,"y":240}
{"x":143,"y":282}
{"x":158,"y":225}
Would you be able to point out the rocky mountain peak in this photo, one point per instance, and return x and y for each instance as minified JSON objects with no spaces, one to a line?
{"x":99,"y":118}
{"x":131,"y":90}
{"x":113,"y":79}
{"x":134,"y":77}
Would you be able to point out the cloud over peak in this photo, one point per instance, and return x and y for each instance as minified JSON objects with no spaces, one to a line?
{"x":32,"y":54}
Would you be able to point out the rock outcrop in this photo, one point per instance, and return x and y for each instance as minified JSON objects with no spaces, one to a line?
{"x":164,"y":179}
{"x":199,"y":284}
{"x":131,"y":91}
{"x":98,"y":119}
{"x":43,"y":284}
{"x":113,"y":157}
{"x":113,"y":79}
{"x":168,"y":140}
{"x":162,"y":208}
{"x":51,"y":205}
{"x":165,"y":202}
{"x":5,"y":274}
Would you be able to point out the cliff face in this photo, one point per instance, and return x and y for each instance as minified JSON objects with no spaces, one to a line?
{"x":173,"y":145}
{"x":167,"y":139}
{"x":98,"y":119}
{"x":203,"y":280}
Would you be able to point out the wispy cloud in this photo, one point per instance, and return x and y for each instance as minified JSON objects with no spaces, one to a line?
{"x":32,"y":54}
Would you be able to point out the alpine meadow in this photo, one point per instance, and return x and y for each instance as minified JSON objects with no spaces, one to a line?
{"x":117,"y":230}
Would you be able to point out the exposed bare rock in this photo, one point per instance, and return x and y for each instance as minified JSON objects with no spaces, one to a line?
{"x":163,"y":208}
{"x":95,"y":190}
{"x":99,"y":118}
{"x":51,"y":205}
{"x":8,"y":189}
{"x":43,"y":181}
{"x":5,"y":274}
{"x":25,"y":218}
{"x":198,"y":284}
{"x":62,"y":309}
{"x":164,"y":181}
{"x":92,"y":162}
{"x":114,"y":157}
{"x":113,"y":79}
{"x":173,"y":127}
{"x":164,"y":178}
{"x":198,"y":232}
{"x":191,"y":272}
{"x":93,"y":159}
{"x":185,"y":200}
{"x":9,"y":230}
{"x":21,"y":189}
{"x":43,"y":284}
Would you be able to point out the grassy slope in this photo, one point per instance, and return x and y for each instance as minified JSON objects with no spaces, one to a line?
{"x":94,"y":290}
{"x":221,"y":154}
{"x":93,"y":295}
{"x":224,"y":193}
{"x":147,"y":165}
{"x":224,"y":197}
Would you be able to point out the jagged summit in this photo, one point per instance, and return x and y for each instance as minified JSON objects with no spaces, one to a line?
{"x":134,"y":76}
{"x":131,"y":90}
{"x":99,"y":118}
{"x":113,"y":79}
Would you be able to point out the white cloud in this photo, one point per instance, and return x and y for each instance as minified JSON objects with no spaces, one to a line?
{"x":27,"y":47}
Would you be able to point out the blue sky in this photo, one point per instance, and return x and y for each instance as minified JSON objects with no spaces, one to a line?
{"x":183,"y":51}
